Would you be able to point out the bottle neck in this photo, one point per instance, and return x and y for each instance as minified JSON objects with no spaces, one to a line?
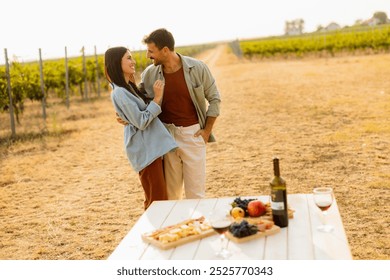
{"x":276,"y":167}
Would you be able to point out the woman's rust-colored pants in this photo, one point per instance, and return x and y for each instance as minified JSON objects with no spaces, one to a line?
{"x":153,"y":182}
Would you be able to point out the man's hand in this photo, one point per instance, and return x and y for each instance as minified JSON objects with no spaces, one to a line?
{"x":119,"y":120}
{"x":205,"y":135}
{"x":206,"y":131}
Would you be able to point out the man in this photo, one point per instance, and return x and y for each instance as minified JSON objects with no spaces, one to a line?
{"x":190,"y":107}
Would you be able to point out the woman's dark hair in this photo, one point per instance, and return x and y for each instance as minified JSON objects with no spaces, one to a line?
{"x":161,"y":38}
{"x":114,"y":73}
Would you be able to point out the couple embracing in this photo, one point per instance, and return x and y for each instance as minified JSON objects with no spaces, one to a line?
{"x":168,"y":118}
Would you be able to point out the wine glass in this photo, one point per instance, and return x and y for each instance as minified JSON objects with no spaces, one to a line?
{"x":323,"y":198}
{"x":220,"y":221}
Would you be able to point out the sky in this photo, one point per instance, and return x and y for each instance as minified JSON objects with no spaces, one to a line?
{"x":27,"y":25}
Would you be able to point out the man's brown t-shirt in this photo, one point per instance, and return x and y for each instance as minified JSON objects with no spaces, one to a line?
{"x":177,"y":106}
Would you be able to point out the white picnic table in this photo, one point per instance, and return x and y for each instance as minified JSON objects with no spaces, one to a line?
{"x":299,"y":241}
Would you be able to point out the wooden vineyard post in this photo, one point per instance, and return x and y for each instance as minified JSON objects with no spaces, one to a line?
{"x":66,"y":78}
{"x":97,"y":73}
{"x":85,"y":75}
{"x":42,"y":87}
{"x":11,"y":106}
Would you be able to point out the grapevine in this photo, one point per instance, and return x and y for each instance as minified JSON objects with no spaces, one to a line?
{"x":25,"y":77}
{"x":349,"y":40}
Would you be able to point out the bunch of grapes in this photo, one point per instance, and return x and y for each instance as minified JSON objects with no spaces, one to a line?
{"x":243,"y":229}
{"x":242,"y":203}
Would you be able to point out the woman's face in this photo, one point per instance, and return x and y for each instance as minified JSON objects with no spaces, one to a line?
{"x":128,"y":65}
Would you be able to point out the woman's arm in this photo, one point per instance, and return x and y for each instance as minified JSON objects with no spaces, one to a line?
{"x":129,"y":111}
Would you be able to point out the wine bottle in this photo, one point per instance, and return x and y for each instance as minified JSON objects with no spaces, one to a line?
{"x":279,"y":197}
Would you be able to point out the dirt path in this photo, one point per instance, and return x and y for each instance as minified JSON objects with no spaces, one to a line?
{"x":74,"y":195}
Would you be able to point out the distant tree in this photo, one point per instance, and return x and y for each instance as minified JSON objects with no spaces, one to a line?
{"x":319,"y":27}
{"x":358,"y":22}
{"x":381,"y":17}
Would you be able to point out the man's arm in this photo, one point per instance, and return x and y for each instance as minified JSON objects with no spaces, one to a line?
{"x":119,"y":120}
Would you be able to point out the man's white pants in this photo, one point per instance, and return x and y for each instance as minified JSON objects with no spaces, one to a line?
{"x":187,"y":164}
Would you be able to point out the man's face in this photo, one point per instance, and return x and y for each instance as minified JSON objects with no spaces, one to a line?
{"x":153,"y":53}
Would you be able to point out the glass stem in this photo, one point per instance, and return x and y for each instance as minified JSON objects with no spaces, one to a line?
{"x":325,"y":213}
{"x":222,"y":241}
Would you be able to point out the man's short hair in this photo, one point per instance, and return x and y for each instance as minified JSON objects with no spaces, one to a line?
{"x":161,"y":38}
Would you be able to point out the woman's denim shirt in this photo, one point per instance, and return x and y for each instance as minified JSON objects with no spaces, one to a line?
{"x":145,"y":137}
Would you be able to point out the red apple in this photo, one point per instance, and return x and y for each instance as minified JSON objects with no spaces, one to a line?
{"x":256,"y":208}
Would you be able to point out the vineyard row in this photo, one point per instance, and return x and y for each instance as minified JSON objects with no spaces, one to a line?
{"x":76,"y":76}
{"x":349,"y":40}
{"x":84,"y":73}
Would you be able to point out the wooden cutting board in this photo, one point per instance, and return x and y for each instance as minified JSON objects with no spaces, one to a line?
{"x":275,"y":229}
{"x":154,"y":236}
{"x":179,"y":242}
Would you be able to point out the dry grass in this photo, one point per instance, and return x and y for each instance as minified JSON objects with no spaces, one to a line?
{"x":70,"y":193}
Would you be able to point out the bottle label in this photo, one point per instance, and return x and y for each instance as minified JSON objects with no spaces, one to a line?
{"x":277,"y":205}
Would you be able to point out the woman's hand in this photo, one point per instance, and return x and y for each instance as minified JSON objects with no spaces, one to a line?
{"x":132,"y":78}
{"x":158,"y":89}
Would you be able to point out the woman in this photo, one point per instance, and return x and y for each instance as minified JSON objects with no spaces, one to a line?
{"x":145,"y":137}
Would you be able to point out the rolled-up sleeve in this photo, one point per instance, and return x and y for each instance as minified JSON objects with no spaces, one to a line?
{"x":129,"y":110}
{"x":211,"y":93}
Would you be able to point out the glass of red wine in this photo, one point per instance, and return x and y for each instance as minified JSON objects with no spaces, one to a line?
{"x":323,"y":198}
{"x":220,"y":221}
